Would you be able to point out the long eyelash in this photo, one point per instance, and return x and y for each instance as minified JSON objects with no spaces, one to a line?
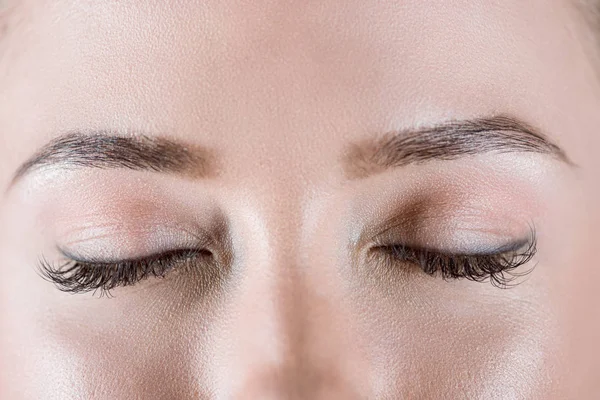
{"x":498,"y":268}
{"x":75,"y":276}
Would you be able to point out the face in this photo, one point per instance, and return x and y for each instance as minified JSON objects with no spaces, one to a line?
{"x":277,"y":199}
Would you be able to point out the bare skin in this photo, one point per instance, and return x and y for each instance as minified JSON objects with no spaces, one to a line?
{"x":279,"y":109}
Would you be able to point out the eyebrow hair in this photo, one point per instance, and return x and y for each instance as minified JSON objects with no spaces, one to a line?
{"x":108,"y":150}
{"x":447,"y":141}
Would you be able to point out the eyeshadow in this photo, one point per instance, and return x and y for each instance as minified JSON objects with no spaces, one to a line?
{"x":440,"y":220}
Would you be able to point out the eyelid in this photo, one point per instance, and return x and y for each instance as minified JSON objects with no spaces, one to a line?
{"x":452,"y":236}
{"x":146,"y":258}
{"x":144,"y":242}
{"x":512,"y":246}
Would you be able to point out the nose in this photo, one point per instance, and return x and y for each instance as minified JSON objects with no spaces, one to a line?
{"x":284,"y":335}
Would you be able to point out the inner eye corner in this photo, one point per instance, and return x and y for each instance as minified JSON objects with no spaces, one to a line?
{"x":368,"y":249}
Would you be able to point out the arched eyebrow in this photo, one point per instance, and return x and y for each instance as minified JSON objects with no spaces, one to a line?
{"x":447,"y":141}
{"x":109,"y":150}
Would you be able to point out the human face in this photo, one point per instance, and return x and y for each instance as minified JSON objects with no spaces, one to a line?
{"x":288,"y":169}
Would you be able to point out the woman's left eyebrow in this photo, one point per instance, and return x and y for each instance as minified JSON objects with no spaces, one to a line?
{"x":447,"y":141}
{"x":107,"y":150}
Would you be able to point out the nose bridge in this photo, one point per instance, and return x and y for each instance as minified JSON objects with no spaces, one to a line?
{"x":274,"y":343}
{"x":272,"y":322}
{"x":273,"y":304}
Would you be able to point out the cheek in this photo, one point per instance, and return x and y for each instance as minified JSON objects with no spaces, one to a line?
{"x":151,"y":343}
{"x":455,"y":340}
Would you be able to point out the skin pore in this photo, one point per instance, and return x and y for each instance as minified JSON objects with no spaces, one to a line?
{"x":264,"y":166}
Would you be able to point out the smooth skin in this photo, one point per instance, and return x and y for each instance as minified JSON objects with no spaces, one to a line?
{"x":276,"y":92}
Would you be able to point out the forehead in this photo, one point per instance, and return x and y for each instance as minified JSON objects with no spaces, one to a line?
{"x":287,"y":71}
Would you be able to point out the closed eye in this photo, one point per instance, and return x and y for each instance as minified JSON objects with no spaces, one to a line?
{"x":499,"y":267}
{"x":76,"y":275}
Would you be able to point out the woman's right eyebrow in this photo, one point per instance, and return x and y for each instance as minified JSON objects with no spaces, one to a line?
{"x":447,"y":141}
{"x":107,"y":150}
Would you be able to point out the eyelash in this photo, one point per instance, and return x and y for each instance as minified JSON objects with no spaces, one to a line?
{"x":77,"y":276}
{"x":499,"y":268}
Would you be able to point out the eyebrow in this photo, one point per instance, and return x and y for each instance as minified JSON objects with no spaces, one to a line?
{"x":109,"y":150}
{"x":447,"y":141}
